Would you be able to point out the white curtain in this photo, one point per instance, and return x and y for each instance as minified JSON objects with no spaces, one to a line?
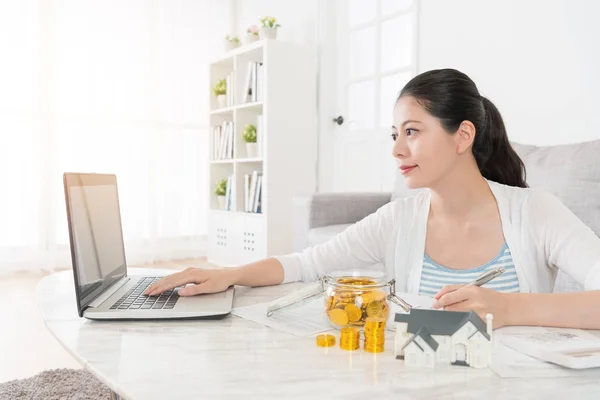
{"x":113,"y":87}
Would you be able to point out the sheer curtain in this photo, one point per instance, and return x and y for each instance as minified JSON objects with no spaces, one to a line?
{"x":105,"y":86}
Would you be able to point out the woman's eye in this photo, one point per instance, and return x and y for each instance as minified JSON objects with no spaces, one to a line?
{"x":394,"y":136}
{"x":409,"y":131}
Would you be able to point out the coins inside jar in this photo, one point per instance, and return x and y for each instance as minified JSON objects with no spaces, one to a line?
{"x":349,"y":304}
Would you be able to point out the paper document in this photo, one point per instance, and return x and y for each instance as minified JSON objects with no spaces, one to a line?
{"x":310,"y":318}
{"x":510,"y":363}
{"x":306,"y":320}
{"x":572,"y":348}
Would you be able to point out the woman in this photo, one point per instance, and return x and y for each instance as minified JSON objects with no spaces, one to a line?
{"x":451,"y":140}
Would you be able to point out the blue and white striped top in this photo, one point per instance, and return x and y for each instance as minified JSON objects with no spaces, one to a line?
{"x":435,"y":276}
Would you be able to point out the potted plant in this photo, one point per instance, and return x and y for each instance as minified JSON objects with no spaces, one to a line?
{"x":220,"y":191}
{"x":231,"y":42}
{"x":220,"y":90}
{"x":249,"y":137}
{"x":268,"y":29}
{"x":251,"y":34}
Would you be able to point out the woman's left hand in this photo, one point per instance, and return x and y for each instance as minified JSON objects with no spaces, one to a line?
{"x":470,"y":297}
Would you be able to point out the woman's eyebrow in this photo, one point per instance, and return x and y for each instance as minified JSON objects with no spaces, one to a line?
{"x":410,"y":120}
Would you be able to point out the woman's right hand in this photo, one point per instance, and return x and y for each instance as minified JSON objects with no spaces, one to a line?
{"x":205,"y":281}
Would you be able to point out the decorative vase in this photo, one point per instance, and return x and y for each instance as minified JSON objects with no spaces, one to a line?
{"x":251,"y":150}
{"x":268,"y":33}
{"x":222,"y":100}
{"x":221,"y":200}
{"x":250,"y":39}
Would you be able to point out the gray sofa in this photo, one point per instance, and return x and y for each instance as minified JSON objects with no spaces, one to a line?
{"x":571,"y":172}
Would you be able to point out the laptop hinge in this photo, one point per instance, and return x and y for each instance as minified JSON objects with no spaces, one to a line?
{"x":109,"y":292}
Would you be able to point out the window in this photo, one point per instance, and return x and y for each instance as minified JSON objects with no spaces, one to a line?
{"x":96,"y":86}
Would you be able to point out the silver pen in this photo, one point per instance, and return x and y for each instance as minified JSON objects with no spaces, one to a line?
{"x":488,"y":276}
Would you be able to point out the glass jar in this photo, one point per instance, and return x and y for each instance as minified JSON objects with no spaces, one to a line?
{"x":350,"y":297}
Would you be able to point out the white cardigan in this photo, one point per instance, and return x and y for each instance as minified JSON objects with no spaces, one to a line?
{"x":540,"y":231}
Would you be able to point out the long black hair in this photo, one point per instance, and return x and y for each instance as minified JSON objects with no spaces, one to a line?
{"x":452,"y":97}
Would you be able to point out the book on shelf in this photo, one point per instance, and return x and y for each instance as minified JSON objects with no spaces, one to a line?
{"x":253,"y":192}
{"x":228,"y":193}
{"x":254,"y":82}
{"x":222,"y":141}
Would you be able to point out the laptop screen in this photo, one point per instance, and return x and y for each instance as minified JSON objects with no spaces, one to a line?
{"x":96,"y":236}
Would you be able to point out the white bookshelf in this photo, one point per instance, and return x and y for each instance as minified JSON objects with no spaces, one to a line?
{"x":287,"y":156}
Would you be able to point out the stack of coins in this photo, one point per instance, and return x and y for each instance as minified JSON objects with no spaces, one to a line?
{"x":374,"y":335}
{"x":325,"y":340}
{"x":349,"y":338}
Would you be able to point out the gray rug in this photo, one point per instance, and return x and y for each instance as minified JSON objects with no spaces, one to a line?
{"x":55,"y":384}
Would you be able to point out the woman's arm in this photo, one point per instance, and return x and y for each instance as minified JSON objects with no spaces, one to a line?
{"x":564,"y":310}
{"x":361,"y":245}
{"x":260,"y":273}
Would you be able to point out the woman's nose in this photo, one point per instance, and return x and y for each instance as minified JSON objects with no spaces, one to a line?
{"x":399,"y":149}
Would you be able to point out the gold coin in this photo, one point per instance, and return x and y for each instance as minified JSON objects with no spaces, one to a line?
{"x":378,"y":295}
{"x":374,"y":349}
{"x":374,"y":309}
{"x":353,"y":312}
{"x":376,"y":321}
{"x":338,"y":317}
{"x":329,"y":302}
{"x":325,"y":340}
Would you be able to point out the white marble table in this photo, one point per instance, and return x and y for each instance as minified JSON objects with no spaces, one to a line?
{"x":233,"y":357}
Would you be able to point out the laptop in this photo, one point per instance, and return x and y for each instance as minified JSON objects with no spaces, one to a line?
{"x":104,"y":289}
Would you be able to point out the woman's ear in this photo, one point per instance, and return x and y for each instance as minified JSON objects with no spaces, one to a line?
{"x":465,"y":135}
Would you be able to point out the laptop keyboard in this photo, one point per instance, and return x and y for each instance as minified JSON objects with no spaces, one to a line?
{"x":134,"y":299}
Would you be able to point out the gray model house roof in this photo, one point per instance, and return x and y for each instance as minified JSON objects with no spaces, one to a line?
{"x":422,"y":332}
{"x":440,"y":322}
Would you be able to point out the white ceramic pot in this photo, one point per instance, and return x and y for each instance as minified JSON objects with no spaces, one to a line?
{"x":250,"y":39}
{"x":251,"y":150}
{"x":221,"y":200}
{"x":222,"y":100}
{"x":229,"y":45}
{"x":268,"y":33}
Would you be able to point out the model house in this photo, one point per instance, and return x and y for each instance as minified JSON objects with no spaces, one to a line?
{"x":427,"y":337}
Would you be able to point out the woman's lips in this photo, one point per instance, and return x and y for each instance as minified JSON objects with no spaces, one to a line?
{"x":405,"y":169}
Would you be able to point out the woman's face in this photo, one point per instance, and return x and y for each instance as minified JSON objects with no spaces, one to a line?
{"x":423,"y":150}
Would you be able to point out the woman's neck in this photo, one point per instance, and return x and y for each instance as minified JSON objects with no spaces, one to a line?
{"x":461,"y":194}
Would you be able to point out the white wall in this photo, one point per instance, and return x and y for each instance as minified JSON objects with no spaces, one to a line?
{"x":298,"y":19}
{"x":538,"y":61}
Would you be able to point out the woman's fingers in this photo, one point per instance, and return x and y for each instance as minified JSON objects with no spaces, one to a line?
{"x":447,"y":289}
{"x":172,"y":281}
{"x":462,"y":306}
{"x":193,"y":290}
{"x":453,"y":297}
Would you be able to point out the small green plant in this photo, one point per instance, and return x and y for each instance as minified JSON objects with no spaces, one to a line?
{"x":249,"y":134}
{"x":233,"y":39}
{"x":220,"y":87}
{"x":269,"y":22}
{"x":221,"y":188}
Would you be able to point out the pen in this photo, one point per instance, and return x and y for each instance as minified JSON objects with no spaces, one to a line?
{"x":488,"y":276}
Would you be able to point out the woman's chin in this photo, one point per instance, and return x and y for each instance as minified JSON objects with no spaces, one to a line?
{"x":413,"y":183}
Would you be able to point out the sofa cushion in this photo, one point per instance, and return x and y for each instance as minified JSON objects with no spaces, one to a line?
{"x":572,"y":173}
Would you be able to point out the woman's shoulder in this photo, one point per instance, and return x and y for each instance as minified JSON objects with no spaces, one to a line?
{"x":523,"y":199}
